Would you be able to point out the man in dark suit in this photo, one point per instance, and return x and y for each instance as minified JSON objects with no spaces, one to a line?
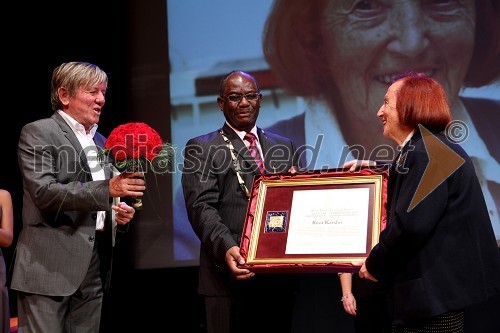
{"x":63,"y":255}
{"x":217,"y":175}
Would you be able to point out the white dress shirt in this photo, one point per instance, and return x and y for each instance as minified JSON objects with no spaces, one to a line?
{"x":241,"y":134}
{"x":90,"y":149}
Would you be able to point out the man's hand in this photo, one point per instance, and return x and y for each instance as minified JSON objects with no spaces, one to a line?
{"x":233,"y":258}
{"x":127,"y":184}
{"x":124,"y":213}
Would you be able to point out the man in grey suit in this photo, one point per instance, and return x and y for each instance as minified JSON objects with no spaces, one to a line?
{"x":63,"y":255}
{"x":217,"y":175}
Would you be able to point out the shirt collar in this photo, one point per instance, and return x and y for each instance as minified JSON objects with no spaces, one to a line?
{"x":407,"y":139}
{"x":241,"y":134}
{"x":76,"y":126}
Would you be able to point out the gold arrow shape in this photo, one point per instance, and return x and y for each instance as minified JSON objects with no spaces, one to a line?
{"x":443,"y":161}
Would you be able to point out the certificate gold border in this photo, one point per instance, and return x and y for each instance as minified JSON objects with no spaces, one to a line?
{"x":377,"y":180}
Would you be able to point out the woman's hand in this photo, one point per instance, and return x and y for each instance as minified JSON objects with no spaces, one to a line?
{"x":364,"y":274}
{"x":349,"y":303}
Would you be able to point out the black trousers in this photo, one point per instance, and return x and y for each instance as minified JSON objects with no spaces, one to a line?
{"x":263,"y":303}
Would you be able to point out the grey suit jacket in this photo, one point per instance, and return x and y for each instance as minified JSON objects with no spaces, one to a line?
{"x":215,"y":203}
{"x":60,"y":205}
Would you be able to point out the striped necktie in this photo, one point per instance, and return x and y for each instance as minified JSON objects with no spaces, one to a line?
{"x":254,"y":151}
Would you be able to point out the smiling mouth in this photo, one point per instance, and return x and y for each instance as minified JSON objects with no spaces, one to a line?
{"x":390,"y":78}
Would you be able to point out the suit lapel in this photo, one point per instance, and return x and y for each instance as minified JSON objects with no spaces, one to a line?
{"x":107,"y":166}
{"x":397,"y":170}
{"x":266,"y":144}
{"x":241,"y":149}
{"x":68,"y":133}
{"x":238,"y":144}
{"x":394,"y":181}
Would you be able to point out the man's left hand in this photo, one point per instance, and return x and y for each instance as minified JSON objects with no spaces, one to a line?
{"x":124,"y":213}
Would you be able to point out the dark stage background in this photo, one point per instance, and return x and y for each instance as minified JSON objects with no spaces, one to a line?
{"x":129,"y":40}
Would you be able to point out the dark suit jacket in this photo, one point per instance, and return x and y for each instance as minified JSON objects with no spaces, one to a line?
{"x":215,"y":203}
{"x":442,"y":254}
{"x":60,"y":205}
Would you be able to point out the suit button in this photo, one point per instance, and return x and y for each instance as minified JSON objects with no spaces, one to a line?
{"x":94,"y":215}
{"x":91,"y":238}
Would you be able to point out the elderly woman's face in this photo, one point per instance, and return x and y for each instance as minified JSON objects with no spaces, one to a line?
{"x":371,"y":41}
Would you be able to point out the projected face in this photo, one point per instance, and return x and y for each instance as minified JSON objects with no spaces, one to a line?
{"x":371,"y":41}
{"x":240,"y":101}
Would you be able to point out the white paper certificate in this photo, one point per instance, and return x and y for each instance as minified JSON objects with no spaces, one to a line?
{"x":328,"y":221}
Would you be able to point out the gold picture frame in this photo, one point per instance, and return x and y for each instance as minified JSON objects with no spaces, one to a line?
{"x":319,"y":221}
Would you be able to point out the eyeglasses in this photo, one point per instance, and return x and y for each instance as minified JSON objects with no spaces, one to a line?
{"x":236,"y":98}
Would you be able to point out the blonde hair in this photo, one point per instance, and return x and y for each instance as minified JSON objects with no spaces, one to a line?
{"x":73,"y":75}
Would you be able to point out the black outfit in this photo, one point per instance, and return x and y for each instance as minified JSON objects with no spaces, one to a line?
{"x":372,"y":315}
{"x":441,"y":255}
{"x":316,"y":312}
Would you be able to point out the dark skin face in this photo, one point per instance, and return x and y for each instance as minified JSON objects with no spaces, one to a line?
{"x":241,"y":115}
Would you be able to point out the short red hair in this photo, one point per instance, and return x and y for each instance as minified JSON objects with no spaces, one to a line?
{"x":422,"y":100}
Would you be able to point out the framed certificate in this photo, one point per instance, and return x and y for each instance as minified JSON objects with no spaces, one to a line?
{"x":319,"y":221}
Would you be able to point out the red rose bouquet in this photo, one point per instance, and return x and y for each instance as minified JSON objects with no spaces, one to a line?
{"x":136,"y":147}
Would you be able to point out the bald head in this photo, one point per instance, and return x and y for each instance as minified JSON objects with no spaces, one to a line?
{"x":223,"y":81}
